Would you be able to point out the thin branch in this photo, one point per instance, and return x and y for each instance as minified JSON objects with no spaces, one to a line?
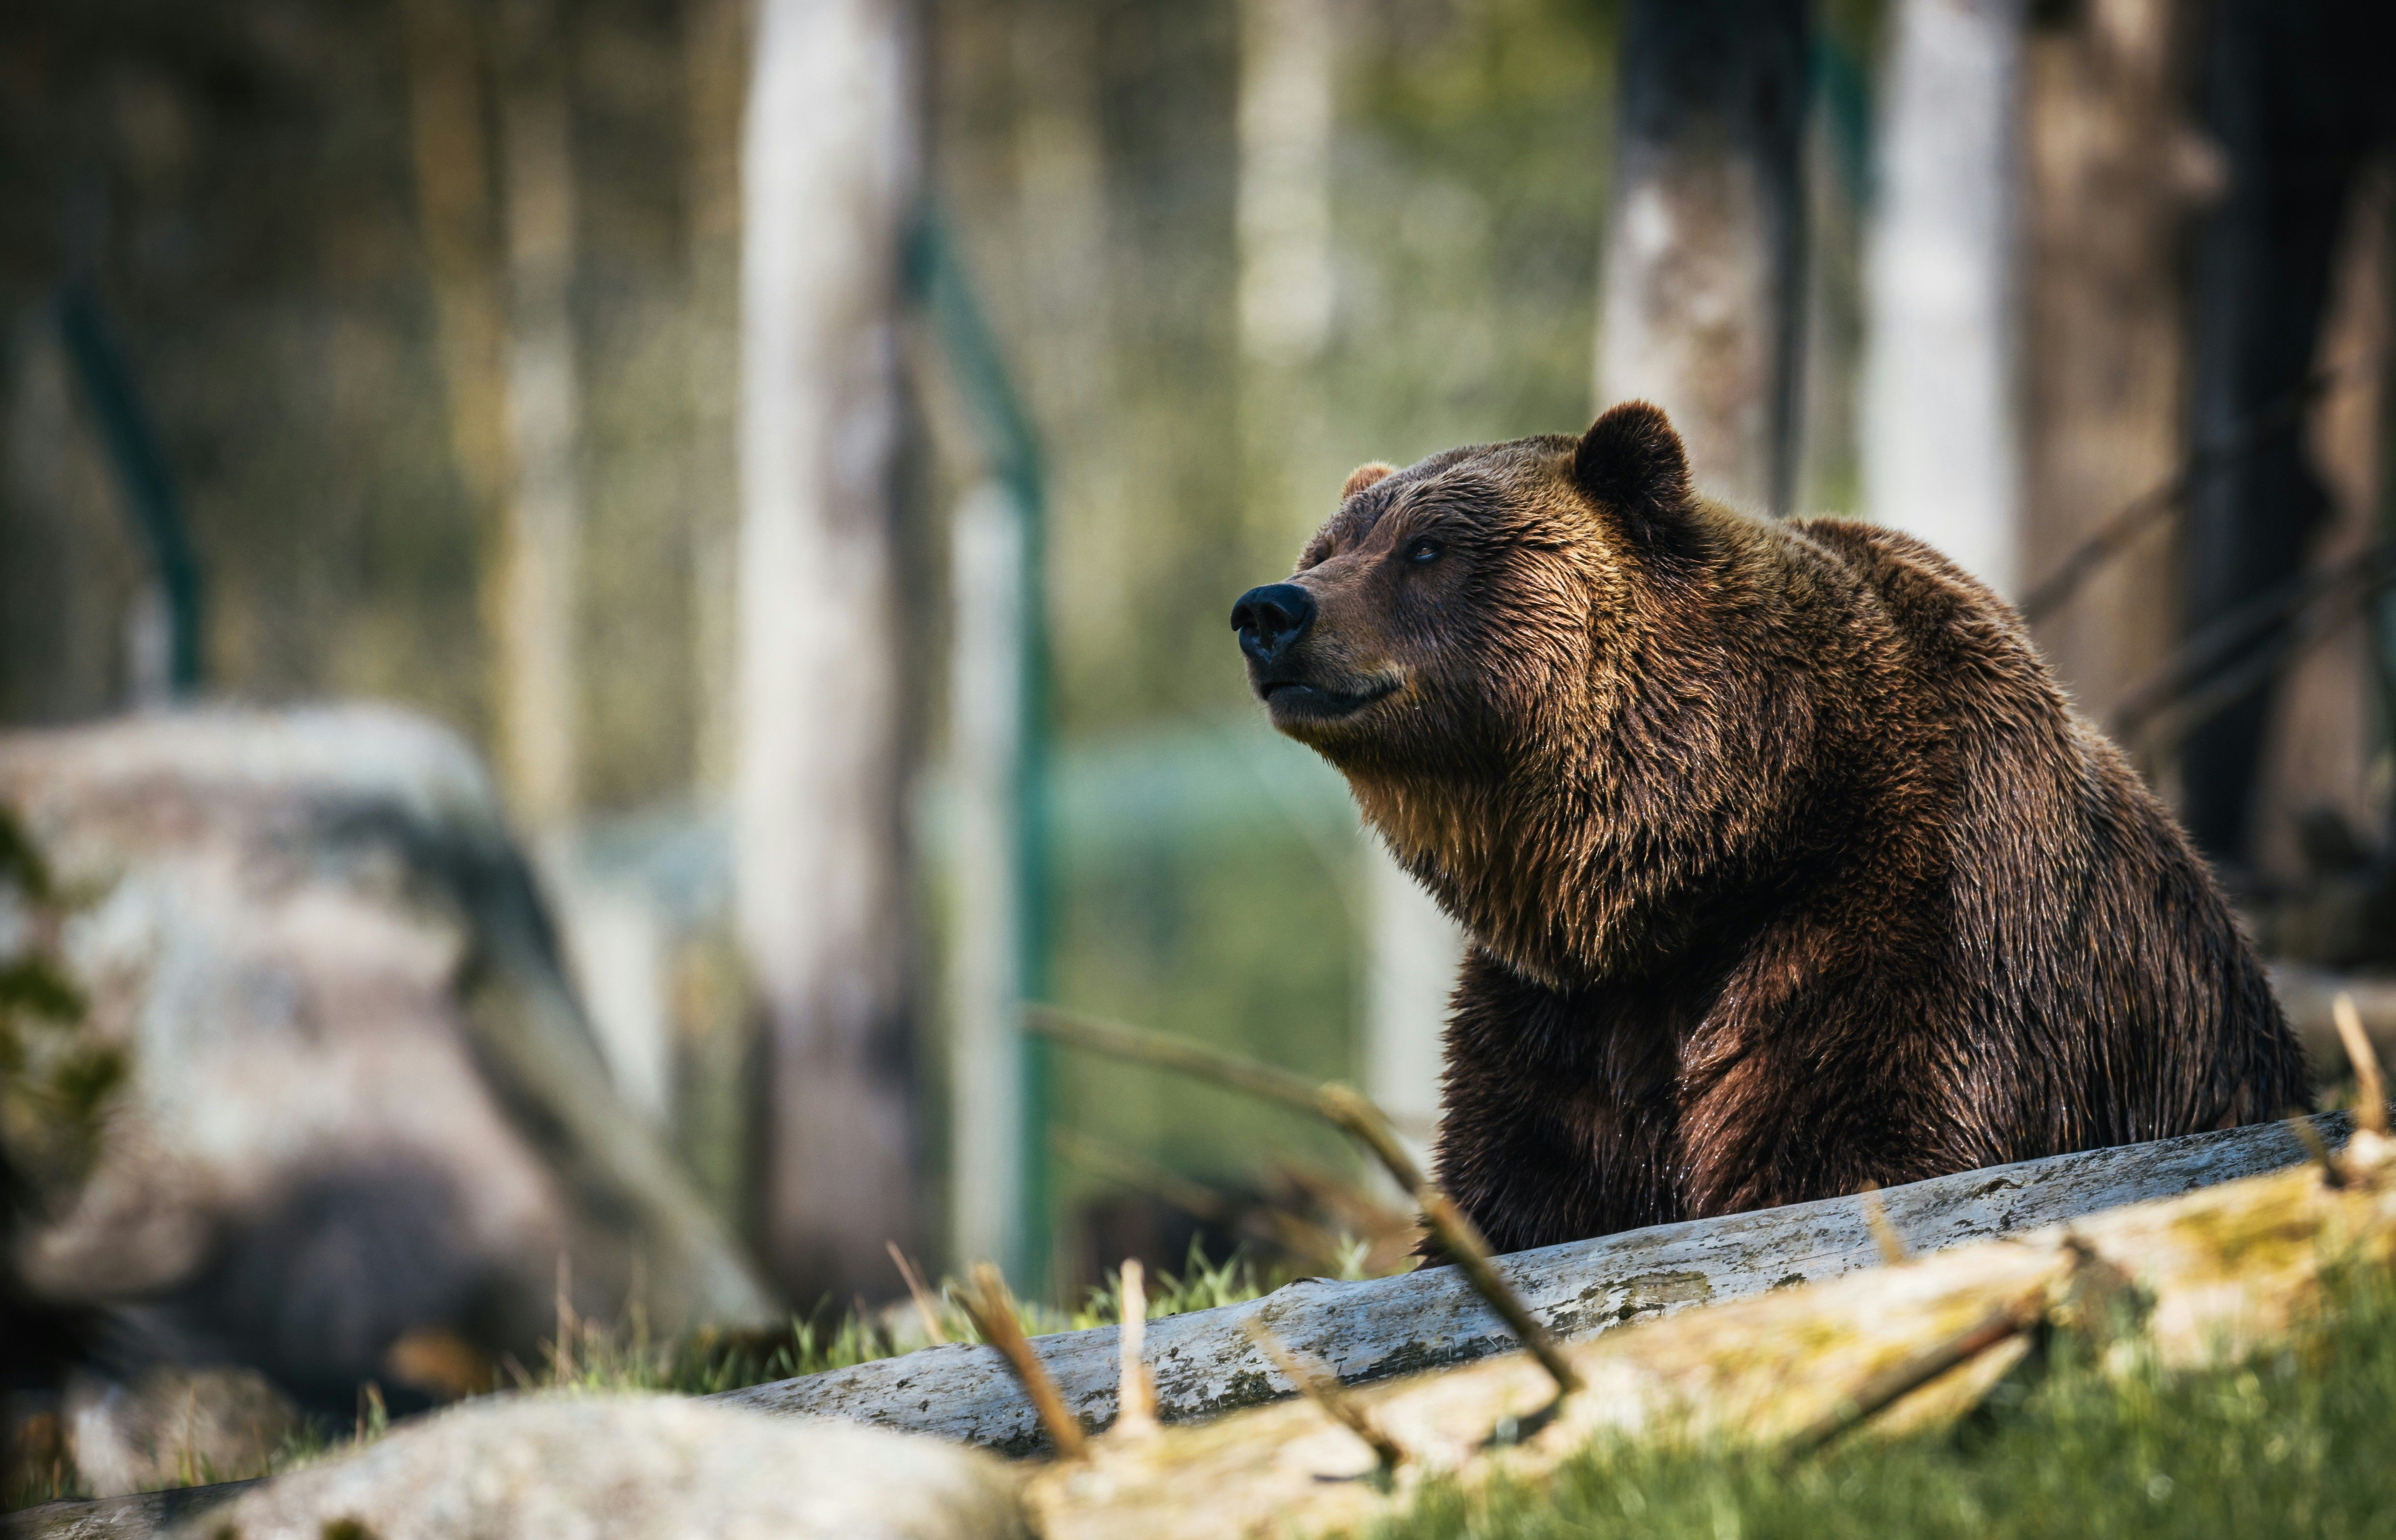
{"x":1892,"y":1385}
{"x":924,"y":1308}
{"x":2371,"y":1110}
{"x":1136,"y":1393}
{"x":992,"y":1308}
{"x":2207,"y":673}
{"x":1883,"y":1234}
{"x":1349,"y":1110}
{"x":2111,"y":538}
{"x":1164,"y":1052}
{"x":2310,"y":1136}
{"x":1319,"y":1385}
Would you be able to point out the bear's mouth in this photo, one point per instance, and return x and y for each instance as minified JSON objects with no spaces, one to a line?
{"x":1294,"y":700}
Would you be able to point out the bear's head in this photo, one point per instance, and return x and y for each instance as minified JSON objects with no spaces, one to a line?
{"x":1474,"y":641}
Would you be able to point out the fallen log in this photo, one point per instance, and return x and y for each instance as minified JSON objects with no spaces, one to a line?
{"x":143,"y":1516}
{"x":2207,"y":1278}
{"x":1206,"y":1362}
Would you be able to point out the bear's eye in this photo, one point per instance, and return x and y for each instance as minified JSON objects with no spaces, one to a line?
{"x":1424,"y":551}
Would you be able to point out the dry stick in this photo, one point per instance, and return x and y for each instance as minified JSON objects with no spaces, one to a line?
{"x":561,"y":1357}
{"x":992,"y":1308}
{"x":2237,"y":653}
{"x":1321,"y":1385}
{"x":1120,"y":1165}
{"x":2371,"y":1111}
{"x":920,"y":1295}
{"x":2310,"y":1136}
{"x":1891,"y":1384}
{"x":1351,"y":1112}
{"x":1883,"y":1234}
{"x":1134,"y":1392}
{"x":2283,"y":415}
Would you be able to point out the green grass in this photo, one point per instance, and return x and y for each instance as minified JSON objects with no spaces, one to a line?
{"x":2294,"y":1444}
{"x":624,"y":1359}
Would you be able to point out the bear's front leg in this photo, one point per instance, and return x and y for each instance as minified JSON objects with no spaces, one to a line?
{"x":1558,"y":1112}
{"x":1826,"y":1087}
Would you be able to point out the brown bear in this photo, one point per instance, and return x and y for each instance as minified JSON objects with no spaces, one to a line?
{"x":1787,"y":869}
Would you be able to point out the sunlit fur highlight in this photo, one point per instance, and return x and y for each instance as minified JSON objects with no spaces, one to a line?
{"x":1787,"y":866}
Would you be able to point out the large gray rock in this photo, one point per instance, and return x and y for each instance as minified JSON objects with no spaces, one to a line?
{"x":566,"y":1468}
{"x":174,"y":1427}
{"x":363,"y":1110}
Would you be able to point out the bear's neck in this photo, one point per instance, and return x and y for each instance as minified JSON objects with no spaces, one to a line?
{"x":1567,"y":880}
{"x":1531,"y":875}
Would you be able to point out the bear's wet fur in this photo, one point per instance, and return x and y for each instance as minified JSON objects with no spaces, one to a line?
{"x":1787,"y":869}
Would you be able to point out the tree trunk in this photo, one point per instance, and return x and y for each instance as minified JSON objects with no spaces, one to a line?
{"x":1288,"y":97}
{"x":715,"y":47}
{"x":453,"y":212}
{"x":1702,"y":295}
{"x":831,"y":168}
{"x":2329,"y":708}
{"x":2296,"y":97}
{"x":539,"y":715}
{"x":1939,"y":452}
{"x":2104,"y":360}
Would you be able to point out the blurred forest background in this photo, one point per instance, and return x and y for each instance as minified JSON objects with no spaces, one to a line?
{"x":422,"y":350}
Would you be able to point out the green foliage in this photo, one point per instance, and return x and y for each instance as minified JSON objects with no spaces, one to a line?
{"x":55,"y":1077}
{"x":624,"y":1359}
{"x":1201,"y":1287}
{"x":1241,"y":942}
{"x":2292,"y":1443}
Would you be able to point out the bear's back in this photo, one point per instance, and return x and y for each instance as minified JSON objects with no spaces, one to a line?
{"x":2088,"y":934}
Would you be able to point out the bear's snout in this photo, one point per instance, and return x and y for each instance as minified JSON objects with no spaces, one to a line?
{"x":1271,"y":620}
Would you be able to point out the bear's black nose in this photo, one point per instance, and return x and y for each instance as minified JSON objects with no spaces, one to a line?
{"x":1271,"y":617}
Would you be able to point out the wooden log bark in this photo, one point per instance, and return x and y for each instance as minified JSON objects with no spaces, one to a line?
{"x":1206,"y":1362}
{"x":142,"y":1516}
{"x":2221,"y":1273}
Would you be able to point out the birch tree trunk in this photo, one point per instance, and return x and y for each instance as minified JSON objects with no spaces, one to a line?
{"x":539,"y":719}
{"x":1286,"y":105}
{"x":1701,"y":295}
{"x":715,"y":47}
{"x":830,"y":169}
{"x":1940,"y":436}
{"x":450,"y":158}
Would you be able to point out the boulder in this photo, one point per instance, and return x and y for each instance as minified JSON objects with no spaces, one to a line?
{"x":651,"y":1467}
{"x":358,"y":1123}
{"x":174,"y":1427}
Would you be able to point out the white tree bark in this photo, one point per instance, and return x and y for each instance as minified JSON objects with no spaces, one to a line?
{"x":1941,"y":454}
{"x":539,"y":715}
{"x":716,"y":54}
{"x":1284,"y":190}
{"x":830,"y":165}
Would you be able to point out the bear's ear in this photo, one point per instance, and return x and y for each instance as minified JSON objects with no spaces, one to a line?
{"x":1363,"y":477}
{"x":1631,"y":461}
